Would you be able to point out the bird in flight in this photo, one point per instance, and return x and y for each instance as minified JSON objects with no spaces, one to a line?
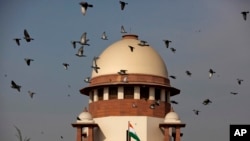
{"x":17,"y":40}
{"x":74,"y":43}
{"x":15,"y":86}
{"x":206,"y":101}
{"x":31,"y":94}
{"x":66,"y":65}
{"x":27,"y":36}
{"x":188,"y":73}
{"x":173,"y":49}
{"x":131,"y":48}
{"x":244,"y":14}
{"x":84,"y":40}
{"x":143,"y":43}
{"x":196,"y":112}
{"x":104,"y":36}
{"x":28,"y":60}
{"x":174,"y":102}
{"x":233,"y":93}
{"x":211,"y":73}
{"x":84,"y":7}
{"x":95,"y":67}
{"x":122,"y":3}
{"x":122,"y":72}
{"x":173,"y":77}
{"x":239,"y":81}
{"x":80,"y":52}
{"x":167,"y":43}
{"x":123,"y":29}
{"x":87,"y":80}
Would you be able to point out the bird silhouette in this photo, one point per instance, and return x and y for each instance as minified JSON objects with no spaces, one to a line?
{"x":239,"y":81}
{"x":104,"y":36}
{"x":173,"y":102}
{"x":122,"y":3}
{"x":31,"y":94}
{"x":125,"y":79}
{"x":143,"y":43}
{"x":74,"y":43}
{"x":66,"y":65}
{"x":131,"y":48}
{"x":122,"y":72}
{"x":196,"y":112}
{"x":83,"y":39}
{"x":15,"y":86}
{"x":17,"y":40}
{"x":87,"y":80}
{"x":244,"y":14}
{"x":84,"y":7}
{"x":206,"y":101}
{"x":167,"y":43}
{"x":27,"y":36}
{"x":173,"y":49}
{"x":152,"y":106}
{"x":211,"y":73}
{"x":80,"y":52}
{"x":94,"y":66}
{"x":188,"y":73}
{"x":172,"y":76}
{"x":28,"y":61}
{"x":233,"y":93}
{"x":157,"y":102}
{"x":123,"y":29}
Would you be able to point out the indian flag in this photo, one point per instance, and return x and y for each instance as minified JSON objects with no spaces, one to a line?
{"x":131,"y":132}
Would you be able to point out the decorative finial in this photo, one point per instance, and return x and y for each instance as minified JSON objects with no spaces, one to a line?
{"x":85,"y":109}
{"x":172,"y":109}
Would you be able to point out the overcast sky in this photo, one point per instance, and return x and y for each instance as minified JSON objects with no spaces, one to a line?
{"x":205,"y":33}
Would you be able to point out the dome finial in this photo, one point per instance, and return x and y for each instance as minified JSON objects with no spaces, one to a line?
{"x":172,"y":109}
{"x":85,"y":109}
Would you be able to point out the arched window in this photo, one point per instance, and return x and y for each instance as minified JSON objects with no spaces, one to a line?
{"x":128,"y":92}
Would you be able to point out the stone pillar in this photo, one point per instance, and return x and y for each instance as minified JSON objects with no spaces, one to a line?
{"x":136,"y":92}
{"x":120,"y":94}
{"x":106,"y":93}
{"x":177,"y":133}
{"x":90,"y":134}
{"x":95,"y":95}
{"x":166,"y":134}
{"x":163,"y":95}
{"x":151,"y":93}
{"x":79,"y":133}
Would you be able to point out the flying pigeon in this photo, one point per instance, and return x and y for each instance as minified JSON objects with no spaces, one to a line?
{"x":122,"y":72}
{"x":206,"y":102}
{"x":125,"y":79}
{"x":15,"y":86}
{"x":80,"y":52}
{"x":143,"y":43}
{"x":173,"y":77}
{"x":211,"y":73}
{"x":174,"y":102}
{"x":104,"y":36}
{"x":122,"y":3}
{"x":173,"y":49}
{"x":157,"y":102}
{"x":123,"y":29}
{"x":131,"y":48}
{"x":188,"y":73}
{"x":152,"y":106}
{"x":61,"y":137}
{"x":31,"y":94}
{"x":27,"y":36}
{"x":83,"y":39}
{"x":95,"y":67}
{"x":167,"y":43}
{"x":66,"y":65}
{"x":239,"y":81}
{"x":233,"y":93}
{"x":28,"y":60}
{"x":84,"y":7}
{"x":17,"y":41}
{"x":244,"y":14}
{"x":196,"y":112}
{"x":74,"y":43}
{"x":87,"y":80}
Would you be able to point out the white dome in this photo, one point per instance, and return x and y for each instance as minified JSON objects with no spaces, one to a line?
{"x":85,"y":117}
{"x":172,"y":117}
{"x":143,"y":59}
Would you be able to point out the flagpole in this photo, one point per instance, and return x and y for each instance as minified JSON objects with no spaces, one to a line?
{"x":128,"y":137}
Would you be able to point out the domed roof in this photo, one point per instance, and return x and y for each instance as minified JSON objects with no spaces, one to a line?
{"x":85,"y":117}
{"x":172,"y":117}
{"x":143,"y":59}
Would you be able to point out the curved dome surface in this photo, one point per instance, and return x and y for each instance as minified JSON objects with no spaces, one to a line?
{"x":172,"y":117}
{"x":142,"y":60}
{"x":85,"y":117}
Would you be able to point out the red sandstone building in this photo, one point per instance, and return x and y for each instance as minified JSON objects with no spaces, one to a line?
{"x":131,"y":85}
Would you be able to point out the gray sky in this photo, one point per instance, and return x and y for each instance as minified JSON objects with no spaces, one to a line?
{"x":206,"y":34}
